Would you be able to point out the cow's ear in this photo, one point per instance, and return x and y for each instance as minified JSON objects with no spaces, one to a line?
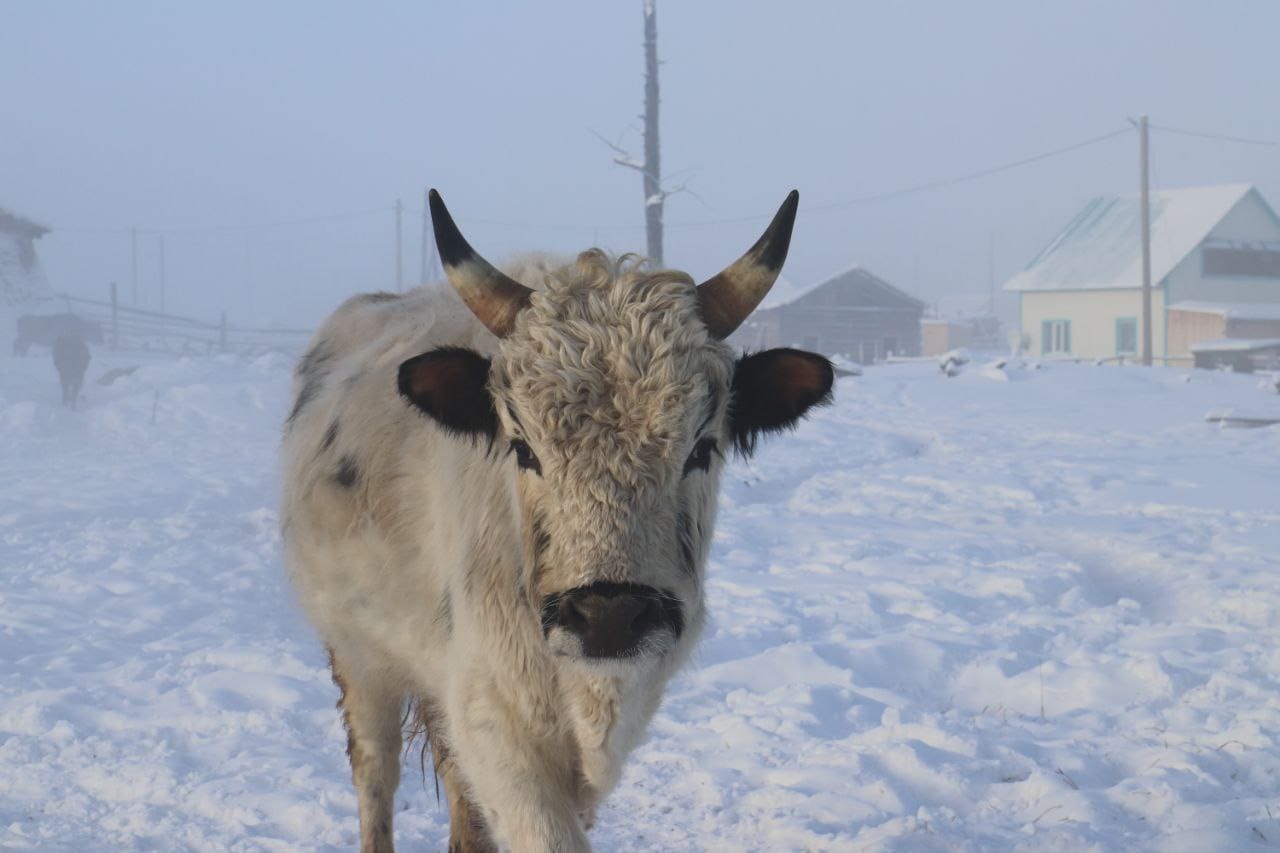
{"x":450,"y":385}
{"x":772,"y":391}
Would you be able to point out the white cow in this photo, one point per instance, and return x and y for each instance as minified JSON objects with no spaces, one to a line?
{"x":501,"y":516}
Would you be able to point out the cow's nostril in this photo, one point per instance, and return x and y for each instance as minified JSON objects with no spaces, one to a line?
{"x":648,"y":617}
{"x":571,"y":615}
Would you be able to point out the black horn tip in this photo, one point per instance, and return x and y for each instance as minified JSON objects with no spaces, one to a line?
{"x":454,"y":249}
{"x":776,"y":240}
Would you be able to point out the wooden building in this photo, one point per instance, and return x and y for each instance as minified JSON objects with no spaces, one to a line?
{"x":855,"y":314}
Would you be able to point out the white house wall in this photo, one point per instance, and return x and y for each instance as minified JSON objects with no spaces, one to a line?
{"x":1093,"y":315}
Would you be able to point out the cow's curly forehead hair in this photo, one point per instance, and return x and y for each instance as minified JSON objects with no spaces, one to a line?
{"x":611,"y":353}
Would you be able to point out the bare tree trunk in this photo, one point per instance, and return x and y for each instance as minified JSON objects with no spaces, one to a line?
{"x":653,"y":197}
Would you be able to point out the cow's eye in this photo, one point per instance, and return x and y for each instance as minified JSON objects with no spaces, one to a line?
{"x":524,"y":456}
{"x":700,"y":458}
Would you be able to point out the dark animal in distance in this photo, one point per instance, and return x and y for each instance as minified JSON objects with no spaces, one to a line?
{"x":71,"y":358}
{"x":45,"y":329}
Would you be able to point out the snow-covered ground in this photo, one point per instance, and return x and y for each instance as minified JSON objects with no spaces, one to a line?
{"x":1032,"y":609}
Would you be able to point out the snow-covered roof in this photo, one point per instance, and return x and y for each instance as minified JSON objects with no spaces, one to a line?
{"x":1101,"y":247}
{"x":1232,"y":310}
{"x":854,"y":279}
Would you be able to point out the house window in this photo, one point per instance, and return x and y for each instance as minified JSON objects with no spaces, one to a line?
{"x":1126,"y":335}
{"x":1260,"y":262}
{"x":1055,"y":337}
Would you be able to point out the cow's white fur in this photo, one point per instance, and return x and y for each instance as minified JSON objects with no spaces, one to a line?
{"x":422,"y":573}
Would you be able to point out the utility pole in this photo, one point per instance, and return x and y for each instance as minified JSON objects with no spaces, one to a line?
{"x":133,"y":245}
{"x":162,"y":272}
{"x":991,"y":272}
{"x":426,"y":237}
{"x":653,"y":196}
{"x":399,"y":256}
{"x":115,"y":318}
{"x":1146,"y":241}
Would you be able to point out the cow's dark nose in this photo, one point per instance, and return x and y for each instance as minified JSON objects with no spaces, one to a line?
{"x":612,"y":619}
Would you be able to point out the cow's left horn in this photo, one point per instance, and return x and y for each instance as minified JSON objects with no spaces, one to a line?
{"x":726,"y":299}
{"x":493,"y":297}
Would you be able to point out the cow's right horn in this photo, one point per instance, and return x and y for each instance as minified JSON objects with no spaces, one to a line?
{"x":493,"y":297}
{"x":727,"y":298}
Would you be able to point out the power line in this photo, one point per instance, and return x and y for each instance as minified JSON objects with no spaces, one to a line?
{"x":843,"y":204}
{"x":1221,"y":137}
{"x":283,"y":223}
{"x":228,"y":228}
{"x":970,"y":176}
{"x":835,"y":205}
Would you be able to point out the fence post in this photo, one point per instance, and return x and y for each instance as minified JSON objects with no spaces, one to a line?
{"x":115,"y":320}
{"x":222,"y":333}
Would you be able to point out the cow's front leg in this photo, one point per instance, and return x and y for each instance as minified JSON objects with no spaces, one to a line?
{"x":372,"y":712}
{"x":522,"y":769}
{"x":468,"y":832}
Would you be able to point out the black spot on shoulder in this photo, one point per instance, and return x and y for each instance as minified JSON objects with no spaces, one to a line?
{"x":379,"y":296}
{"x":348,"y":473}
{"x":330,"y":436}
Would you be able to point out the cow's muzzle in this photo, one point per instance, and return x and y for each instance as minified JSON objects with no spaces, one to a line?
{"x":613,"y":620}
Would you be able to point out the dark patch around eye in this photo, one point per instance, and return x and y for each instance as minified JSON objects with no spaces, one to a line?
{"x":525,"y":457}
{"x":700,"y":458}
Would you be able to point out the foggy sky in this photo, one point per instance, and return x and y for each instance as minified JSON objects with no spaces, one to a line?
{"x":188,"y":118}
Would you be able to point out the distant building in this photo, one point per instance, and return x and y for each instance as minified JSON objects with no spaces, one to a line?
{"x":938,"y":336}
{"x":22,"y":279}
{"x":962,"y":320}
{"x":855,"y":314}
{"x":1082,"y":296}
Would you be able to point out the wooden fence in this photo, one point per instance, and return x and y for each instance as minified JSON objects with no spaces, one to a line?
{"x":128,"y":328}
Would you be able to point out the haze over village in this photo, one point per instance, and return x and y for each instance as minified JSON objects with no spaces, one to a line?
{"x":977,"y":485}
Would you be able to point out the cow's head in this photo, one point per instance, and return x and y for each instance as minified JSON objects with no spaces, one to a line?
{"x":614,"y":400}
